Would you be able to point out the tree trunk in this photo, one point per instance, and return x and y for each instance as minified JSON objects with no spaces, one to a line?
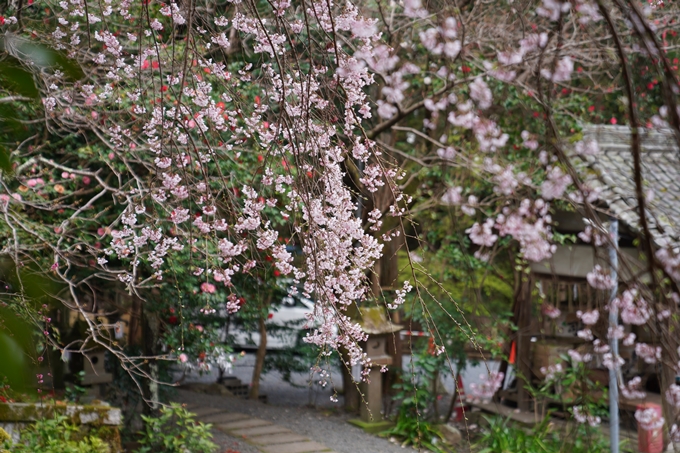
{"x":136,"y":320}
{"x":352,"y":396}
{"x":259,"y":362}
{"x":150,"y":391}
{"x":435,"y":391}
{"x":523,"y":356}
{"x":452,"y":406}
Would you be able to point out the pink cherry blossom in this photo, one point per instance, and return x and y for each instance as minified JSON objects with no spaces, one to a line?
{"x":599,"y":279}
{"x":649,"y":419}
{"x":208,"y":288}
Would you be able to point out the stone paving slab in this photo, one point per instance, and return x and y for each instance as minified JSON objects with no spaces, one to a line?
{"x":261,"y":431}
{"x":267,"y":437}
{"x":280,"y":438}
{"x":247,"y":423}
{"x":296,"y":447}
{"x":205,"y":410}
{"x":223,"y":417}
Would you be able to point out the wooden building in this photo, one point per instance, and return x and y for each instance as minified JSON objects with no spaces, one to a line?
{"x":560,"y":282}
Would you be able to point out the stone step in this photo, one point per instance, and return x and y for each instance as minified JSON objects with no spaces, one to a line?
{"x":266,"y":436}
{"x":295,"y":447}
{"x":261,"y":431}
{"x":204,"y":411}
{"x":247,"y":423}
{"x":236,"y":388}
{"x":276,"y":439}
{"x":223,"y":417}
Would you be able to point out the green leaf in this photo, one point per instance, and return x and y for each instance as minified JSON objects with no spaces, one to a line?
{"x":18,"y":80}
{"x":15,"y":340}
{"x":5,"y":160}
{"x":41,"y":56}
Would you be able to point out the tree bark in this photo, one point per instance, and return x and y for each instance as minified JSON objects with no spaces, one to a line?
{"x":523,"y":357}
{"x":351,"y":392}
{"x":454,"y":397}
{"x":259,"y":361}
{"x":148,"y":341}
{"x":135,"y":326}
{"x":435,"y":391}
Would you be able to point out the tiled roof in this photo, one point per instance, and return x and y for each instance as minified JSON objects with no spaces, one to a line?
{"x":612,"y":171}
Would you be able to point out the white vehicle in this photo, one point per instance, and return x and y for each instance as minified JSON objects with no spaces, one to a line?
{"x":286,"y":324}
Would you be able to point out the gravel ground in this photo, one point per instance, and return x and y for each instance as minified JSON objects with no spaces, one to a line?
{"x":307,"y":410}
{"x":328,"y":427}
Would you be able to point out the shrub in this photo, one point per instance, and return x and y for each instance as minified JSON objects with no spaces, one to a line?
{"x":175,"y":431}
{"x":55,"y":435}
{"x":504,"y":437}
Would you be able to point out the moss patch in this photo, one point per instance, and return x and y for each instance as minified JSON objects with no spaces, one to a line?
{"x":30,"y":412}
{"x":371,"y":427}
{"x":94,"y":420}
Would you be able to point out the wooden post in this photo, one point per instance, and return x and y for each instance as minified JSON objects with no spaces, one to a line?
{"x":259,"y":361}
{"x":523,"y":358}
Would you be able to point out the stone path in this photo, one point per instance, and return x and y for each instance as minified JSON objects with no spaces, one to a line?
{"x":266,"y":436}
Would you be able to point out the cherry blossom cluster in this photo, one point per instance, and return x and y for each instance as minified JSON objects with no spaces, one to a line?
{"x":486,"y":388}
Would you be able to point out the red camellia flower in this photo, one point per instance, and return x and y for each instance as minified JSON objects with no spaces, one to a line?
{"x":591,"y":108}
{"x":172,"y":320}
{"x":613,"y":121}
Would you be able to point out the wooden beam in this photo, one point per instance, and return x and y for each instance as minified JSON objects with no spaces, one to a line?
{"x":523,"y":359}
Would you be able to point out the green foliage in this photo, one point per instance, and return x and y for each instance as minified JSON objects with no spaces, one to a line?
{"x":574,"y":390}
{"x":175,"y":431}
{"x":74,"y":392}
{"x":501,"y":436}
{"x":56,"y":435}
{"x":16,"y":344}
{"x":298,"y":359}
{"x":17,"y":79}
{"x":418,"y":433}
{"x":410,"y":429}
{"x":413,"y":426}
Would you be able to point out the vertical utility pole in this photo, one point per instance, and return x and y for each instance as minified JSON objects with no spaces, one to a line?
{"x":613,"y":342}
